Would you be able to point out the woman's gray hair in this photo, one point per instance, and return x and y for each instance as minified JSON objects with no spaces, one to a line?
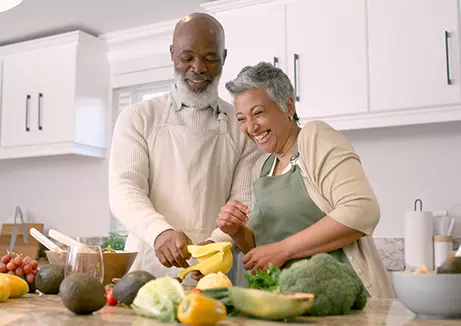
{"x":264,"y":75}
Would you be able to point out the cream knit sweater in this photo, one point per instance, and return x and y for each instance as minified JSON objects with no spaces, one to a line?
{"x":174,"y":167}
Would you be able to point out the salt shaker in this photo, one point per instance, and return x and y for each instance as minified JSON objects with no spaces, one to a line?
{"x":443,"y":245}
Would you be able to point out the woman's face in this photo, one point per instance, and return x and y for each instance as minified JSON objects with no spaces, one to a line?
{"x":262,"y":120}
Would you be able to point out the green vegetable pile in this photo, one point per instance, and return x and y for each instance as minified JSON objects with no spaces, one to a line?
{"x":264,"y":280}
{"x":336,"y":286}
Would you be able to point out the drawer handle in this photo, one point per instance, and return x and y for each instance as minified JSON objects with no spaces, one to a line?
{"x":447,"y":58}
{"x":40,"y":97}
{"x":27,"y":112}
{"x":296,"y":69}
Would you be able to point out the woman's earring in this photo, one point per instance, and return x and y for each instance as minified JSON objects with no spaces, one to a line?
{"x":291,"y":118}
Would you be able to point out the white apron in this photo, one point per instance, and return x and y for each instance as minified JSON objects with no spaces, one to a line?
{"x":174,"y":175}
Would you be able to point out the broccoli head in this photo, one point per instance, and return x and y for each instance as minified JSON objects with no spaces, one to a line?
{"x":336,"y":286}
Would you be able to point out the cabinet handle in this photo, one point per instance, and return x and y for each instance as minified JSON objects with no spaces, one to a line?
{"x":40,"y":96}
{"x":27,"y":112}
{"x":276,"y":62}
{"x":447,"y":57}
{"x":296,"y":68}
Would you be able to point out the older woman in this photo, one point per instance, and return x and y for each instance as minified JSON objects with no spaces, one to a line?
{"x":311,"y":194}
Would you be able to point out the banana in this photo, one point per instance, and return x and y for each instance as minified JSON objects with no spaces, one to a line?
{"x":208,"y":250}
{"x":212,"y":258}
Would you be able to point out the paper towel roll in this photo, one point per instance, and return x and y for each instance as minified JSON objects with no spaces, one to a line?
{"x":419,"y":250}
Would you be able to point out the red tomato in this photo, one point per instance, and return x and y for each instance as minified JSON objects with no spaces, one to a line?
{"x":110,"y":300}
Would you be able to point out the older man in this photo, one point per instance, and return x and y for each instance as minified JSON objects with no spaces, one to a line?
{"x":178,"y":158}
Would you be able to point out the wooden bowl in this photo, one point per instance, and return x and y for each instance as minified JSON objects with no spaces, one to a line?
{"x":116,"y":264}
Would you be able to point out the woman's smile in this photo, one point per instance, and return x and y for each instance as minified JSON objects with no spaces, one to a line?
{"x":262,"y":137}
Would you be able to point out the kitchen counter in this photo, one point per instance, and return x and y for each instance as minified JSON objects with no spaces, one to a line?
{"x":33,"y":309}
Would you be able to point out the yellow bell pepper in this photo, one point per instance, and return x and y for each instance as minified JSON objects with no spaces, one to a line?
{"x":197,"y":309}
{"x":17,"y":285}
{"x":5,"y":290}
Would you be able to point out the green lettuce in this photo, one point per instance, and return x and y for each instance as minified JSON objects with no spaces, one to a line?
{"x":159,"y":299}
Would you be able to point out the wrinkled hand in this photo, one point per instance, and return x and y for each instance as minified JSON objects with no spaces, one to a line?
{"x":171,"y":248}
{"x":196,"y":275}
{"x":260,"y":257}
{"x":232,"y":216}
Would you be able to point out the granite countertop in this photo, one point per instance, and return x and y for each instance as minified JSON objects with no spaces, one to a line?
{"x":33,"y":309}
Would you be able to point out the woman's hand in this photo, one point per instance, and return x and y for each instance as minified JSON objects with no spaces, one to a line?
{"x":260,"y":257}
{"x":232,"y":216}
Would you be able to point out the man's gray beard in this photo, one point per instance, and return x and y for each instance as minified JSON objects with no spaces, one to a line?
{"x":196,"y":100}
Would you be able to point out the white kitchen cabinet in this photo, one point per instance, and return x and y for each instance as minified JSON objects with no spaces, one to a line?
{"x":55,"y":97}
{"x":253,"y":34}
{"x":414,"y":50}
{"x":359,"y":63}
{"x":327,"y":55}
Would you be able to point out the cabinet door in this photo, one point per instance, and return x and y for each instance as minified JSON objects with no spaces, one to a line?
{"x":413,"y":48}
{"x":253,"y":34}
{"x":19,"y":75}
{"x":55,"y":95}
{"x":326,"y":46}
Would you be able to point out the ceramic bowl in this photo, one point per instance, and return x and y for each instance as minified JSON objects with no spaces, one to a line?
{"x":116,"y":264}
{"x":434,"y":296}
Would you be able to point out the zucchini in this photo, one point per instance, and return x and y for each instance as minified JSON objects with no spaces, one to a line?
{"x":221,"y":294}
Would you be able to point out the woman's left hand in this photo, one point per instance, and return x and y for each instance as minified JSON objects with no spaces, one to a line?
{"x":260,"y":257}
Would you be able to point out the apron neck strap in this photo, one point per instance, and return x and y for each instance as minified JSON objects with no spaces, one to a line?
{"x":267,"y":166}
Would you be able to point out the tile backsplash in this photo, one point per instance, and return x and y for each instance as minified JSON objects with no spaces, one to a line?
{"x":391,"y":250}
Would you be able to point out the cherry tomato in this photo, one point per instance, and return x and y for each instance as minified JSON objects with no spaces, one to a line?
{"x":110,"y":300}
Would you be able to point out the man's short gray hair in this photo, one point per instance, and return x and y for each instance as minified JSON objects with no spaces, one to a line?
{"x":264,"y":75}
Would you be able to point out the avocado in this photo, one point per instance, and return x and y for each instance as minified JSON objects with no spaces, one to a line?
{"x":127,"y":287}
{"x":49,"y":278}
{"x":82,"y":294}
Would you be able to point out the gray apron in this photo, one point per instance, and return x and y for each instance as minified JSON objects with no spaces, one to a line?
{"x":282,"y":206}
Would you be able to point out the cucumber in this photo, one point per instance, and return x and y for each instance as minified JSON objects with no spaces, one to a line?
{"x":221,"y":294}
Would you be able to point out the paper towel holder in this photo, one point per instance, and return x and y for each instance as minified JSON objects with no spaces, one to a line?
{"x":420,"y":204}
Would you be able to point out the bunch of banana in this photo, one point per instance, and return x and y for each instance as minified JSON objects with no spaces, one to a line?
{"x":212,"y":258}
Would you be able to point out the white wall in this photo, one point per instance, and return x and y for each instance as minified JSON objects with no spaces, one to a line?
{"x":405,"y":163}
{"x":66,"y":193}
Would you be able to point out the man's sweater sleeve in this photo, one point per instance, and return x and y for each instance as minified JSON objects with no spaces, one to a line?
{"x":128,"y":178}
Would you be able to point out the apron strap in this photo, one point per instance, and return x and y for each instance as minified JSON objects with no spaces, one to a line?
{"x":267,"y":166}
{"x":222,"y":118}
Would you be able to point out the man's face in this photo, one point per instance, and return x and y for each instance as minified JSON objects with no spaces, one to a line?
{"x":198,"y":55}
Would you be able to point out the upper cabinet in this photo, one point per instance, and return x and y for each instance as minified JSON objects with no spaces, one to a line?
{"x":55,"y":97}
{"x":253,"y":34}
{"x":354,"y":63}
{"x":413,"y":48}
{"x":326,"y":45}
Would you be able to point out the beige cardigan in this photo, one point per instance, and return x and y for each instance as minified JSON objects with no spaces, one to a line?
{"x":337,"y":184}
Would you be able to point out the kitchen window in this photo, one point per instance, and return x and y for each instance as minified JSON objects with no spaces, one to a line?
{"x":124,"y":97}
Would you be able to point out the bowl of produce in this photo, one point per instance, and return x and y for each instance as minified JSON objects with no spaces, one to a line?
{"x":429,"y":294}
{"x":116,"y":263}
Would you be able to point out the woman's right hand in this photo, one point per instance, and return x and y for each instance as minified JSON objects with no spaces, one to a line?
{"x":233,"y":215}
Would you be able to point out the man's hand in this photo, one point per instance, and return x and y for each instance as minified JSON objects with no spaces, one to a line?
{"x":196,"y":275}
{"x":171,"y":248}
{"x":233,"y":215}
